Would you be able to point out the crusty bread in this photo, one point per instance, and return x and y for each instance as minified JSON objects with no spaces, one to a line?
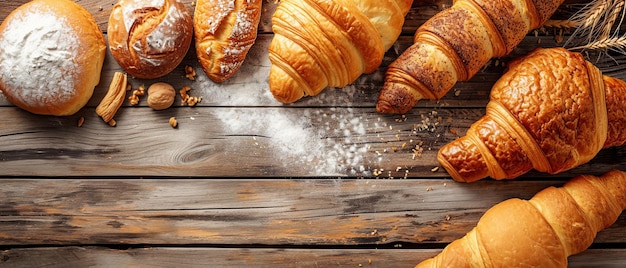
{"x":225,"y":30}
{"x":51,"y":57}
{"x":149,"y":38}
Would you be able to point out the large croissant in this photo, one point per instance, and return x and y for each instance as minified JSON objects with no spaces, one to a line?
{"x":551,"y":111}
{"x":329,"y":43}
{"x":540,"y":232}
{"x":455,"y":44}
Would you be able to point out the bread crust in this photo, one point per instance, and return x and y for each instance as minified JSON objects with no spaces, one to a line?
{"x":59,"y":50}
{"x":149,"y":39}
{"x":225,"y":30}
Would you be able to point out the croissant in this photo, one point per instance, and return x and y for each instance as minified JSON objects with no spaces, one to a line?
{"x":551,"y":110}
{"x":329,"y":43}
{"x":540,"y":232}
{"x":224,"y":31}
{"x":454,"y":45}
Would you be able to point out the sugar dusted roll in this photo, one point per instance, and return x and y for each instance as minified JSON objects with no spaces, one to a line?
{"x":51,"y":57}
{"x":149,"y":38}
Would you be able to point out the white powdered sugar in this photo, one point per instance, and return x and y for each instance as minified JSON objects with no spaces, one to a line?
{"x":37,"y":58}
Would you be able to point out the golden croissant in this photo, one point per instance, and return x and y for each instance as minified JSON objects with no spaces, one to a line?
{"x":329,"y":43}
{"x":540,"y":232}
{"x":550,"y":111}
{"x":455,"y":44}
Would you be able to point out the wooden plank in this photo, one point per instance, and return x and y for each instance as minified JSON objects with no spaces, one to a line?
{"x":302,"y":212}
{"x":242,"y":142}
{"x":271,"y":257}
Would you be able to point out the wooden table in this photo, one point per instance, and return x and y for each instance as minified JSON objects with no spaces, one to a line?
{"x":245,"y":180}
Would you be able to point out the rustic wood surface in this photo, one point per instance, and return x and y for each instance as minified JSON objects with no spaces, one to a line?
{"x":245,"y":180}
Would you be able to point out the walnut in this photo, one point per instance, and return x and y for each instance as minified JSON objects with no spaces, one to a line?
{"x":134,"y":98}
{"x":161,"y":96}
{"x":190,"y":73}
{"x":186,"y":99}
{"x":173,"y":122}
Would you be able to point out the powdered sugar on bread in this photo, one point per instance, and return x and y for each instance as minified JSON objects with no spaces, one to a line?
{"x":37,"y":59}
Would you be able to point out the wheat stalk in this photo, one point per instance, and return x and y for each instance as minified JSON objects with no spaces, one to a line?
{"x":610,"y":43}
{"x":611,"y":18}
{"x":599,"y":24}
{"x":594,"y":13}
{"x":561,"y":24}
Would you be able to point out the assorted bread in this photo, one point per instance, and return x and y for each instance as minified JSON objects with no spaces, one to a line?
{"x":540,"y":232}
{"x":51,"y":57}
{"x":149,"y":38}
{"x":455,"y":44}
{"x":322,"y":43}
{"x":551,"y":111}
{"x":225,"y":30}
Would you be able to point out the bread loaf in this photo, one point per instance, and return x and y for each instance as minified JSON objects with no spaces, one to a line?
{"x":51,"y":56}
{"x":224,"y":31}
{"x":149,"y":38}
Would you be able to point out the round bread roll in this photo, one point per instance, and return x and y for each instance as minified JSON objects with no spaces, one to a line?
{"x":149,"y":38}
{"x":51,"y":57}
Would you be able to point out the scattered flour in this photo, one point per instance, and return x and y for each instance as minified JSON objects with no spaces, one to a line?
{"x":322,"y":142}
{"x":37,"y":56}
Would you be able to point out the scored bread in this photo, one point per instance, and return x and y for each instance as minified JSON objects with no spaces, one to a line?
{"x":149,"y":38}
{"x":225,"y":30}
{"x":51,"y":57}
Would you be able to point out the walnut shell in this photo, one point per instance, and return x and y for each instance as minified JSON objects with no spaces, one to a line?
{"x":161,"y":96}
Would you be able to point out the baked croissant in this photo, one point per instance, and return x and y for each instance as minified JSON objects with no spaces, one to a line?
{"x":329,"y":43}
{"x":540,"y":232}
{"x":455,"y":44}
{"x":551,"y":110}
{"x":224,"y":31}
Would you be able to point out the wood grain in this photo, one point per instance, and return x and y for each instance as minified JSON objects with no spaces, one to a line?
{"x":262,"y":258}
{"x":250,"y":212}
{"x":245,"y":180}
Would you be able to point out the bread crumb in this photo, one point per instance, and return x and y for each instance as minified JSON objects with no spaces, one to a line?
{"x":173,"y":122}
{"x":435,"y":169}
{"x":81,"y":120}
